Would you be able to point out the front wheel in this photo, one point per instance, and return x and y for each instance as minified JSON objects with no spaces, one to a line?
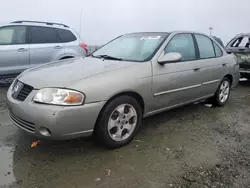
{"x":223,"y":92}
{"x":119,"y":121}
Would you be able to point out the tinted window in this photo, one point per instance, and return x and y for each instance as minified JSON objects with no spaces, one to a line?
{"x":66,"y":35}
{"x":12,"y":35}
{"x":40,"y":35}
{"x":218,"y":51}
{"x":183,"y":44}
{"x":205,"y":46}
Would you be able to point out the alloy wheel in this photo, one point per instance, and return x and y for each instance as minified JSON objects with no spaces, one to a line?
{"x":122,"y":122}
{"x":224,"y":91}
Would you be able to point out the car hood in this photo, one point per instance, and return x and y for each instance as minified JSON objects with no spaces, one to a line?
{"x":67,"y":72}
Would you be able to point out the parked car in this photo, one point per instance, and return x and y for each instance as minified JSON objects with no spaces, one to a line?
{"x":108,"y":93}
{"x":24,"y":44}
{"x":239,"y":46}
{"x":219,"y":41}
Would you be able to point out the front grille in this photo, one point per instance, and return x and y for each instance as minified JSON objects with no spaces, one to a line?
{"x":24,"y":92}
{"x":26,"y":125}
{"x":21,"y":91}
{"x":245,"y":65}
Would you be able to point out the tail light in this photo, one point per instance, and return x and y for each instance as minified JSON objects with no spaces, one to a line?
{"x":84,"y":46}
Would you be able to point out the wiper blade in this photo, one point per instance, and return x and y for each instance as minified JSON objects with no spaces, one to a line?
{"x":108,"y":57}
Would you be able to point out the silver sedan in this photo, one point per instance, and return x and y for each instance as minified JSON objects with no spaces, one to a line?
{"x":108,"y":93}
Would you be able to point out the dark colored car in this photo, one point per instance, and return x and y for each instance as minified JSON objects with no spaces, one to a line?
{"x":239,"y":46}
{"x":219,"y":41}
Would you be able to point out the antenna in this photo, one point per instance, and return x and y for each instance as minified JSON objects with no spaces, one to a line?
{"x":80,"y":32}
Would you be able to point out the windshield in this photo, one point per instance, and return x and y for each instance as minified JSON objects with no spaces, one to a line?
{"x":132,"y":47}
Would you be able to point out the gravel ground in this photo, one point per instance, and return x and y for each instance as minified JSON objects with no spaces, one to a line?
{"x":193,"y":146}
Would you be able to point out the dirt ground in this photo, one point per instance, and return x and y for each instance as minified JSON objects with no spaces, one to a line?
{"x":193,"y":146}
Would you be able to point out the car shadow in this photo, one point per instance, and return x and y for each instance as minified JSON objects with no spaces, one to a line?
{"x":4,"y":86}
{"x":85,"y":152}
{"x":245,"y":83}
{"x":89,"y":144}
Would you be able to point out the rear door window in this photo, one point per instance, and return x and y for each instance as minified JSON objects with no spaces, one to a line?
{"x":205,"y":46}
{"x":12,"y":35}
{"x":43,"y":35}
{"x":66,"y":35}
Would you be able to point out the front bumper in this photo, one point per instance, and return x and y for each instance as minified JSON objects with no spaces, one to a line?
{"x":63,"y":122}
{"x":244,"y":73}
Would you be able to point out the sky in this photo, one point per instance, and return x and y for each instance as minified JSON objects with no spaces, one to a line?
{"x":103,"y":20}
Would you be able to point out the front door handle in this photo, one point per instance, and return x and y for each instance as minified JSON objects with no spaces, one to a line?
{"x":22,"y":50}
{"x":196,"y":69}
{"x":58,"y":47}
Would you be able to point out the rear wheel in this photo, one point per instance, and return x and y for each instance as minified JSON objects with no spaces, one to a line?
{"x":118,"y":122}
{"x":223,"y":92}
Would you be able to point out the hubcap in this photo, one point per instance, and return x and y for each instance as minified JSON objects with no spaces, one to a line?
{"x":224,"y":91}
{"x":122,"y":122}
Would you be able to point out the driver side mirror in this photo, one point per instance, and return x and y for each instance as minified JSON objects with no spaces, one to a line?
{"x":170,"y":57}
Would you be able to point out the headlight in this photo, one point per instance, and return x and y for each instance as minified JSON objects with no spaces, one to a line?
{"x":59,"y":96}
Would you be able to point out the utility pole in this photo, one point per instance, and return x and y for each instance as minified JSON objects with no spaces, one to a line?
{"x":210,"y":30}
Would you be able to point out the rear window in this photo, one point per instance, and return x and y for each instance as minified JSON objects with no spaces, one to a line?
{"x":218,"y":40}
{"x":42,"y":35}
{"x":218,"y":51}
{"x":66,"y":35}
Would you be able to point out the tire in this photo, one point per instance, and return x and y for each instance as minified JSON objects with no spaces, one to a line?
{"x":108,"y":134}
{"x":219,"y":98}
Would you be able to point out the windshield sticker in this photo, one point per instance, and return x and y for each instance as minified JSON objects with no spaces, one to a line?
{"x":150,"y":37}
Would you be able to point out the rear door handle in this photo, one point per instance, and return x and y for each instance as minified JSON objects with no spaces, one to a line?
{"x":22,"y":50}
{"x":224,"y":64}
{"x":58,"y":47}
{"x":196,"y":69}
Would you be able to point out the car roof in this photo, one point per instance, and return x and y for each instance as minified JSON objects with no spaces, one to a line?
{"x":147,"y":33}
{"x":187,"y":31}
{"x":171,"y":32}
{"x":243,"y":35}
{"x":44,"y":24}
{"x":38,"y":23}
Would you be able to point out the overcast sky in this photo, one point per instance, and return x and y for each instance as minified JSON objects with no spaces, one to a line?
{"x":103,"y":20}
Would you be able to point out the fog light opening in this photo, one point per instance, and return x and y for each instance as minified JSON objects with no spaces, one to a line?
{"x":45,"y":131}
